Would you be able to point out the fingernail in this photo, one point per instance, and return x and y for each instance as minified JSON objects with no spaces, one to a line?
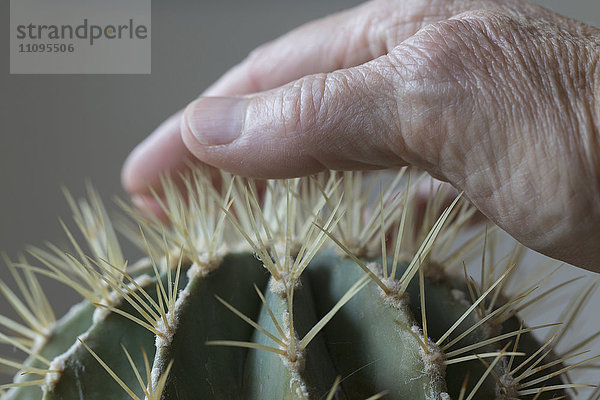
{"x":216,"y":120}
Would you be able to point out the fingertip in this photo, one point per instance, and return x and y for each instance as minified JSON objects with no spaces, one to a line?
{"x":187,"y":136}
{"x":130,"y":172}
{"x":128,"y":181}
{"x":162,"y":152}
{"x":241,"y":135}
{"x":212,"y":131}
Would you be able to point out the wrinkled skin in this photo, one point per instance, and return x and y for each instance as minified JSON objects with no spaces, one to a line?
{"x":496,"y":97}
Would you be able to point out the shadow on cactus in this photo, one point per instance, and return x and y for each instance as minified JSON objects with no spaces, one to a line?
{"x":336,"y":286}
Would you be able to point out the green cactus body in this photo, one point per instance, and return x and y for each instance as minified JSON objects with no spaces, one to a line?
{"x":325,"y":305}
{"x":74,"y":323}
{"x":82,"y":374}
{"x":207,"y":371}
{"x":380,"y":323}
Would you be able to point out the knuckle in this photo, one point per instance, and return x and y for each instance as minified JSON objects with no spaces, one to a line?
{"x":316,"y":93}
{"x":434,"y":63}
{"x":312,"y":104}
{"x":441,"y":73}
{"x":301,"y":105}
{"x":461,"y":56}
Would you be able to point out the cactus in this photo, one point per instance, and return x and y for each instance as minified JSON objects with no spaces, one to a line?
{"x":333,"y":286}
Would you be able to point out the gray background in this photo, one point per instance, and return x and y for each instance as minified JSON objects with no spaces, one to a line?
{"x":62,"y":130}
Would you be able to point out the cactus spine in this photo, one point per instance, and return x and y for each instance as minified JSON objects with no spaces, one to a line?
{"x":332,"y":286}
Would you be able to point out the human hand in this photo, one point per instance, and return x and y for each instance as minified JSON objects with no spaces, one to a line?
{"x":496,"y":97}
